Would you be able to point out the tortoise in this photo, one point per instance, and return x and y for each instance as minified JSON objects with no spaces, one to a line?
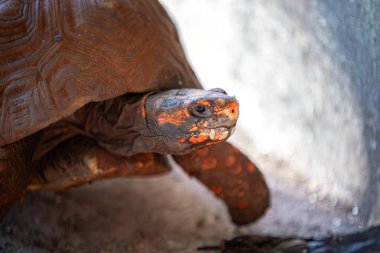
{"x":100,"y":89}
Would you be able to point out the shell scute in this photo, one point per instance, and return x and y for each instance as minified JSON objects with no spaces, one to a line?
{"x":105,"y":49}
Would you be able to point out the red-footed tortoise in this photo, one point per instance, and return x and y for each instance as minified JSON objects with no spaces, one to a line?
{"x":97,"y":89}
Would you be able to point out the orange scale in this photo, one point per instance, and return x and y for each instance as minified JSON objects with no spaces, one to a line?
{"x":243,"y":204}
{"x":231,"y":160}
{"x":250,"y":167}
{"x":216,"y":189}
{"x":238,"y":169}
{"x":202,"y":152}
{"x":208,"y":163}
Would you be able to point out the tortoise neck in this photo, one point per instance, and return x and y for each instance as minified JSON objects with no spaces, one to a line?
{"x":116,"y":124}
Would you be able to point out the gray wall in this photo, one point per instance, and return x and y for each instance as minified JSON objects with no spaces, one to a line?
{"x":356,"y":29}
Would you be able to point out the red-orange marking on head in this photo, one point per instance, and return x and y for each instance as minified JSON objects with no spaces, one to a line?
{"x":241,"y":193}
{"x":193,"y":128}
{"x":204,"y":102}
{"x":220,"y":104}
{"x":250,"y":167}
{"x":182,"y":139}
{"x":187,"y":113}
{"x":216,"y":189}
{"x":221,"y":136}
{"x":243,"y":204}
{"x":230,"y":161}
{"x":195,"y":139}
{"x":232,"y":111}
{"x":175,"y":118}
{"x":208,"y":163}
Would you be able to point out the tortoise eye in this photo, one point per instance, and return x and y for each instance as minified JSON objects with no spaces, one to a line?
{"x":200,"y":108}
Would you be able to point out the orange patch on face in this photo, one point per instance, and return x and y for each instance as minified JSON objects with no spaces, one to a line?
{"x":243,"y":205}
{"x":230,"y":161}
{"x":250,"y":167}
{"x":216,"y":189}
{"x":232,"y":111}
{"x":175,"y":118}
{"x":220,"y":104}
{"x":221,"y":136}
{"x":204,"y":102}
{"x":195,"y":139}
{"x":182,"y":140}
{"x":193,"y":128}
{"x":208,"y":163}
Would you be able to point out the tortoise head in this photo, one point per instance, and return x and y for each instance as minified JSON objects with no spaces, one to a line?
{"x":186,"y":119}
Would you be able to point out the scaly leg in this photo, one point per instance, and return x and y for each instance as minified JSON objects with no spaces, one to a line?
{"x":15,"y":167}
{"x":80,"y":160}
{"x":232,"y":177}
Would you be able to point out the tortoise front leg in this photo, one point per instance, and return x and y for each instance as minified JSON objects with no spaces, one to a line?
{"x":80,"y":160}
{"x":15,"y":167}
{"x":232,"y":177}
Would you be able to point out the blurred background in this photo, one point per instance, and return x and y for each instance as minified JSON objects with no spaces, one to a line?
{"x":307,"y":75}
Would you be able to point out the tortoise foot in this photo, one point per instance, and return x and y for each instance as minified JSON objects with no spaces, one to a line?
{"x":80,"y":160}
{"x":14,"y":172}
{"x":232,"y":177}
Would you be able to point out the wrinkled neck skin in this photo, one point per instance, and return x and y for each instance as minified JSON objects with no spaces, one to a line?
{"x":123,"y":126}
{"x":118,"y":125}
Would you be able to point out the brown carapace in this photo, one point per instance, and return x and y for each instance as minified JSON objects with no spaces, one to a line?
{"x":99,"y":89}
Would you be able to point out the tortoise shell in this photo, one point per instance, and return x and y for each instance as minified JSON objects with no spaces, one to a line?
{"x":57,"y":56}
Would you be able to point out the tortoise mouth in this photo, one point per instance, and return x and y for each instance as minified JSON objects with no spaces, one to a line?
{"x":217,"y":132}
{"x":203,"y":135}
